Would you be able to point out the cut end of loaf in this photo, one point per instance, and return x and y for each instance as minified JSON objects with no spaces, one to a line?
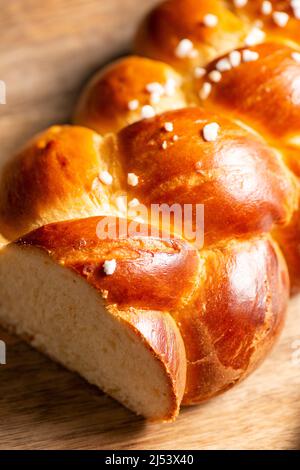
{"x":67,"y":319}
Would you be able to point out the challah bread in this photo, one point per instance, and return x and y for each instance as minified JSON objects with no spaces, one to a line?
{"x":161,"y":34}
{"x":126,"y":91}
{"x":263,"y":92}
{"x":228,"y":299}
{"x":243,"y":185}
{"x":235,"y":315}
{"x":116,"y":330}
{"x":71,"y":172}
{"x":278,"y":19}
{"x":190,"y":33}
{"x":53,"y":178}
{"x":265,"y":95}
{"x":246,"y":191}
{"x":255,"y":85}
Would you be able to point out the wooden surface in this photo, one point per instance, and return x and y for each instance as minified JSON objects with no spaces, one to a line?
{"x":47,"y":51}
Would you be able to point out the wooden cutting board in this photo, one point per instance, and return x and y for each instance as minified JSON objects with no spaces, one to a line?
{"x":47,"y":51}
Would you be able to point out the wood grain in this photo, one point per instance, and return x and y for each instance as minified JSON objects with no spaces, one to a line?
{"x":47,"y":51}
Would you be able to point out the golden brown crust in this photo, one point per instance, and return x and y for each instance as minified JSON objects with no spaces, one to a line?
{"x":236,"y":315}
{"x":255,"y":91}
{"x":251,"y":93}
{"x":263,"y":93}
{"x":252,"y":13}
{"x":241,"y":182}
{"x":106,"y":101}
{"x":57,"y":166}
{"x":174,"y":20}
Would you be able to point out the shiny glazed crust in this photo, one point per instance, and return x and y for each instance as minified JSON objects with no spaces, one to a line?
{"x":261,"y":93}
{"x":148,"y":117}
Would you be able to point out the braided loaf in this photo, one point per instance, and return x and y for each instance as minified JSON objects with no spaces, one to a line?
{"x":210,"y":117}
